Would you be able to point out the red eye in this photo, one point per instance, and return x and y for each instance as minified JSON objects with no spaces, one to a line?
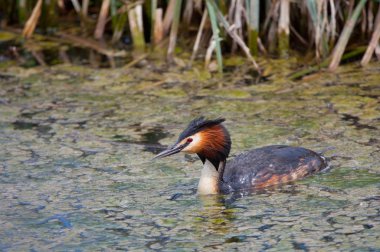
{"x":189,"y":140}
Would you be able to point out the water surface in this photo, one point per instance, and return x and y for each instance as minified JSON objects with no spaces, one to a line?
{"x":76,"y":170}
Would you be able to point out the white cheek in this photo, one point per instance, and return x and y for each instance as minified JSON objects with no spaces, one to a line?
{"x":196,"y":141}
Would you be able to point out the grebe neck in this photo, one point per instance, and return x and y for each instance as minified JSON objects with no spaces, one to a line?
{"x":209,"y":183}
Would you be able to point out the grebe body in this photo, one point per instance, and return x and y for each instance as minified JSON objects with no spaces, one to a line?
{"x":268,"y":166}
{"x":254,"y":169}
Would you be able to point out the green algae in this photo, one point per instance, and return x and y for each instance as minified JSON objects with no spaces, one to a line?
{"x":7,"y":36}
{"x":85,"y":158}
{"x":349,"y":178}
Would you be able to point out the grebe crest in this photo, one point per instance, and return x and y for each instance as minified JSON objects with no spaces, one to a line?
{"x":209,"y":139}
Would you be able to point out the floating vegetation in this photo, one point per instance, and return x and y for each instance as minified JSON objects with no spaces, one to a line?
{"x":324,"y":32}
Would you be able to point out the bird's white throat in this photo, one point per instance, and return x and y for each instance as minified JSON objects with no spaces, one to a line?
{"x":209,"y":181}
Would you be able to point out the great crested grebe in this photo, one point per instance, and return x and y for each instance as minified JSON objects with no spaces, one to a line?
{"x":254,"y":169}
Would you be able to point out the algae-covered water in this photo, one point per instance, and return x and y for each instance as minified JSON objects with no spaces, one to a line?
{"x":76,"y":169}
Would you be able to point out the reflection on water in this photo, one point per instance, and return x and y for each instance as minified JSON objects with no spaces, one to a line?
{"x":76,"y":167}
{"x":214,"y":216}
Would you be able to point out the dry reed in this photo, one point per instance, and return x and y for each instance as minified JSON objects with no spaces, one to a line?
{"x":254,"y":26}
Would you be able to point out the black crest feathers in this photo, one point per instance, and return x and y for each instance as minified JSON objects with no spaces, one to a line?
{"x":197,"y":125}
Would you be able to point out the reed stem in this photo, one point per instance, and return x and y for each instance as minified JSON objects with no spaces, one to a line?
{"x":31,"y":24}
{"x":174,"y":30}
{"x":215,"y":31}
{"x":232,"y":32}
{"x":283,"y":28}
{"x":374,"y":41}
{"x":253,"y":25}
{"x":22,"y":11}
{"x":136,"y":27}
{"x":344,"y":37}
{"x":199,"y":35}
{"x":99,"y":30}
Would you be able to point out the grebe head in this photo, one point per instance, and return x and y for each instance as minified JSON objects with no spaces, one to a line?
{"x":209,"y":139}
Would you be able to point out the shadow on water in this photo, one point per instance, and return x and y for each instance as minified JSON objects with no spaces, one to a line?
{"x":149,"y":138}
{"x":355,"y":121}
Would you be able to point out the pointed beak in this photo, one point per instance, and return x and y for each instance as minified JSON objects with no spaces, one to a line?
{"x":170,"y":151}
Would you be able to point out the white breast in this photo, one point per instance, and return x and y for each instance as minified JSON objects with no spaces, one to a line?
{"x":208,"y":183}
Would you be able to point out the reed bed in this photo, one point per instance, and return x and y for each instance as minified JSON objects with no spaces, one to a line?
{"x":323,"y":31}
